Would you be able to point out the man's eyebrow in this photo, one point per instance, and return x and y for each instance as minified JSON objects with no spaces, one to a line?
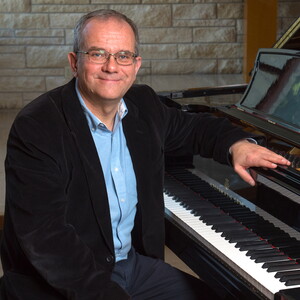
{"x":94,"y":48}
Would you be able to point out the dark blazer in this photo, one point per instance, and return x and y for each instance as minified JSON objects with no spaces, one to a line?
{"x":57,"y":240}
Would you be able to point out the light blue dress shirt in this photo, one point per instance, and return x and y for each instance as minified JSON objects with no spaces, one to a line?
{"x":119,"y":176}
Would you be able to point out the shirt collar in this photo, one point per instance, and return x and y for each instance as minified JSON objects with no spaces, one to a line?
{"x":93,"y":121}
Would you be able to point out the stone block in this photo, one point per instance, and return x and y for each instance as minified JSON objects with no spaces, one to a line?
{"x":289,"y":10}
{"x":114,"y":2}
{"x":147,"y":15}
{"x":65,"y":8}
{"x":68,"y":74}
{"x":62,"y":20}
{"x":70,"y":2}
{"x":144,"y":71}
{"x":215,"y":34}
{"x":32,"y":41}
{"x":23,"y":21}
{"x":230,"y":10}
{"x":210,"y":50}
{"x":12,"y":6}
{"x":158,"y":51}
{"x":194,"y":11}
{"x":191,"y":66}
{"x":230,"y":66}
{"x":204,"y":23}
{"x":166,"y":1}
{"x":12,"y":60}
{"x":229,"y":50}
{"x":54,"y":81}
{"x":12,"y":49}
{"x":6,"y":33}
{"x":21,"y":84}
{"x":10,"y":100}
{"x":240,"y":26}
{"x":45,"y":57}
{"x":69,"y":36}
{"x":196,"y":50}
{"x":165,"y":35}
{"x":217,"y":1}
{"x":40,"y":33}
{"x":33,"y":72}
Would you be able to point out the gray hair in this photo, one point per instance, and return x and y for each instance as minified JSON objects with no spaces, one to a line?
{"x":103,"y":14}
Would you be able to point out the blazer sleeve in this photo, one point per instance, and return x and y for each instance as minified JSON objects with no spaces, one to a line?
{"x":195,"y":133}
{"x":36,"y":204}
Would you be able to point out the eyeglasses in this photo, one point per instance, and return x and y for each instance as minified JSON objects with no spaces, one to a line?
{"x":123,"y":58}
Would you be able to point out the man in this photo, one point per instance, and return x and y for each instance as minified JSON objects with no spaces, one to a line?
{"x":84,"y":212}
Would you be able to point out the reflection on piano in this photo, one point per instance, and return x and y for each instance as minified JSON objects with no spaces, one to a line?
{"x":245,"y":241}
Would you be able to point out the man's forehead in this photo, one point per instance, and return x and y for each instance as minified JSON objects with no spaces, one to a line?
{"x":110,"y":28}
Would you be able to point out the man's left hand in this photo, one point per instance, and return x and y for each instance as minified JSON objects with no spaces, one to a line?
{"x":246,"y":155}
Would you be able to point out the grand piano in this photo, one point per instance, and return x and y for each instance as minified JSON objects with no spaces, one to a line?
{"x":244,"y":241}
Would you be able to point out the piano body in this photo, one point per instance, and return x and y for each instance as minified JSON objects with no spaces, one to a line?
{"x":244,"y":241}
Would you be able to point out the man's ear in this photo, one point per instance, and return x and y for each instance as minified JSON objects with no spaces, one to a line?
{"x":72,"y":57}
{"x":138,"y":63}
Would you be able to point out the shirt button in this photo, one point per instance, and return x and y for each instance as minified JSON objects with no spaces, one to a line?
{"x":122,"y":200}
{"x":116,"y":169}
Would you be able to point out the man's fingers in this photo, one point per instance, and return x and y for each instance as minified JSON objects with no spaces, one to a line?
{"x":244,"y":174}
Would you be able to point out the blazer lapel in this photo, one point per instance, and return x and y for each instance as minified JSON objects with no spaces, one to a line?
{"x":137,"y":137}
{"x":94,"y":177}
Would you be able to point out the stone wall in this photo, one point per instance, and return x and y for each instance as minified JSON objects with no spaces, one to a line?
{"x":177,"y":37}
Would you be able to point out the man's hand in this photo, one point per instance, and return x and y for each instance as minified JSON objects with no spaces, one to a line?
{"x":246,"y":155}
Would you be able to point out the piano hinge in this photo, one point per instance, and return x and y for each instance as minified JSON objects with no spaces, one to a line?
{"x":272,"y":122}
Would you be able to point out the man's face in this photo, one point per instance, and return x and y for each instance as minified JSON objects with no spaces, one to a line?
{"x":108,"y":81}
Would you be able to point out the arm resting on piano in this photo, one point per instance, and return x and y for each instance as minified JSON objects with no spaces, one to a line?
{"x":246,"y":154}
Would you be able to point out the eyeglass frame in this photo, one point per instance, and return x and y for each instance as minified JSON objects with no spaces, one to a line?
{"x":134,"y":55}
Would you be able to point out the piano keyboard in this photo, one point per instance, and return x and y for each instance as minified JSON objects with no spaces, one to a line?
{"x":264,"y":255}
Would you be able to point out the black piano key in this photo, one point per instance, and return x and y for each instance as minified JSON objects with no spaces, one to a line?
{"x":242,"y":238}
{"x":246,"y":246}
{"x":229,"y":230}
{"x":291,"y":248}
{"x":280,"y":266}
{"x":289,"y":277}
{"x":206,"y":212}
{"x":271,"y":258}
{"x":280,"y":242}
{"x":287,"y":273}
{"x":234,"y":232}
{"x":254,"y":252}
{"x":291,"y":282}
{"x":228,"y":227}
{"x":212,"y":220}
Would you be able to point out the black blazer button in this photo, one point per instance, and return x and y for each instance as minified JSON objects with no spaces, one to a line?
{"x":109,"y":259}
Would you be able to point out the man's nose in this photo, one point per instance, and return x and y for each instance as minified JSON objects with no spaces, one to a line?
{"x":111,"y":64}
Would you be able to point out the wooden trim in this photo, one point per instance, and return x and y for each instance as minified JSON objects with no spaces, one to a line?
{"x":260,"y":25}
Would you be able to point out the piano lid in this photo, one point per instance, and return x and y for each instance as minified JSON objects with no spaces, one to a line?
{"x":272,"y":98}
